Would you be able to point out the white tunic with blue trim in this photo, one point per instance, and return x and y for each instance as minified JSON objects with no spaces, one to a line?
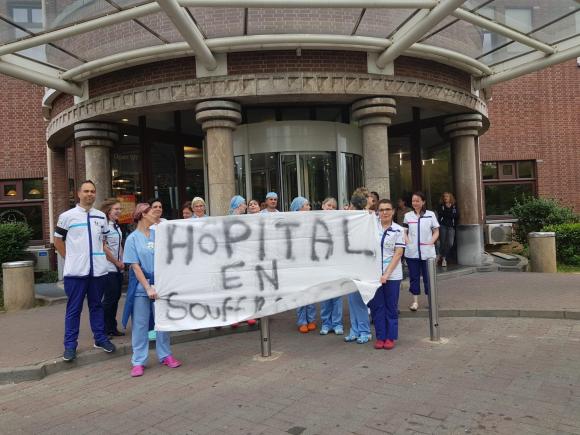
{"x":391,"y":239}
{"x":83,"y":234}
{"x":420,"y":234}
{"x":114,"y":242}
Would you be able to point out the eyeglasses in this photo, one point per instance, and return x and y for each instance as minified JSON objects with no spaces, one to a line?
{"x":384,"y":210}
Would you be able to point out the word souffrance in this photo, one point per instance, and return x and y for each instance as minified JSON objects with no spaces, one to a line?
{"x":221,"y":270}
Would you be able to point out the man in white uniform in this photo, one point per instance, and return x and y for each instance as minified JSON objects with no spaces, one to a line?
{"x":79,"y":238}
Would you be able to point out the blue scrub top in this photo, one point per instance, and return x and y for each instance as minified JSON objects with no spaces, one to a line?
{"x":141,"y":250}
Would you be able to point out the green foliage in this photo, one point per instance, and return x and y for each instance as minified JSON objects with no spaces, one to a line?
{"x":567,"y":242}
{"x":14,"y":238}
{"x":48,"y":276}
{"x":533,"y":214}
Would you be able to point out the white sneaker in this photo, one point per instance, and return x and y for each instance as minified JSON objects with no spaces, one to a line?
{"x":414,"y":306}
{"x":444,"y":263}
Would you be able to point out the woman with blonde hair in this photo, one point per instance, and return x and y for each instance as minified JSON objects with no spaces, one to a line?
{"x":198,"y":207}
{"x":448,"y":219}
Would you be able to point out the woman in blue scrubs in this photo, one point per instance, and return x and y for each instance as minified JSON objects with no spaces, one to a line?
{"x":140,"y":254}
{"x":306,"y":315}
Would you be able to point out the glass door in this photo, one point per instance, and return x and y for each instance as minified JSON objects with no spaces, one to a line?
{"x":164,"y":172}
{"x":318,"y":177}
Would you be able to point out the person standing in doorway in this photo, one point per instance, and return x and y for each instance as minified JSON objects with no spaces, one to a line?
{"x":80,"y":239}
{"x":448,"y":219}
{"x":401,"y":211}
{"x":114,"y":253}
{"x":331,"y":309}
{"x":422,"y":231}
{"x":271,"y":203}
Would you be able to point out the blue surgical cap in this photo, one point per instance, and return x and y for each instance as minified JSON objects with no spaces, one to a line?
{"x":298,"y":203}
{"x":235,"y":203}
{"x":271,"y":195}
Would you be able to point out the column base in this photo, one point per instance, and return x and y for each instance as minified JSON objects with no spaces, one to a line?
{"x":469,"y":241}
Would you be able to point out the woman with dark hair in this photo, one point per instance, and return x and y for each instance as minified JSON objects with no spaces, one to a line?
{"x":254,"y":206}
{"x":448,"y":219}
{"x":186,"y":210}
{"x":140,"y":254}
{"x":114,"y":253}
{"x":422,"y":230}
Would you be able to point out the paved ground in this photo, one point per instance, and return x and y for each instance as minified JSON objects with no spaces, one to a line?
{"x":35,"y":335}
{"x":512,"y":376}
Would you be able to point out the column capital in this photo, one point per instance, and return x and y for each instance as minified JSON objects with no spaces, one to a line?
{"x":376,"y":110}
{"x":467,"y":124}
{"x":218,"y":113}
{"x":96,"y":134}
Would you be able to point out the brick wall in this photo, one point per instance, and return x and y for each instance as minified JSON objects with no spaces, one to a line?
{"x":259,"y":62}
{"x":537,"y":117}
{"x":433,"y":71}
{"x":23,"y":135}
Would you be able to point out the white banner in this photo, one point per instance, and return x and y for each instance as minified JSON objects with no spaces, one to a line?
{"x":217,"y":271}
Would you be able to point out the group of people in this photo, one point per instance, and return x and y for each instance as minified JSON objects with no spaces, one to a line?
{"x":91,"y":243}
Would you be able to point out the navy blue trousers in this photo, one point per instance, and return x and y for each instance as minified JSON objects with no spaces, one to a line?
{"x":111,"y":296}
{"x":76,"y":289}
{"x":384,"y":310}
{"x":416,"y":269}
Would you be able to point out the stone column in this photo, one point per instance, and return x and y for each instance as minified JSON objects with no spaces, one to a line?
{"x":218,"y":119}
{"x":463,"y":131}
{"x":97,"y":139}
{"x":374,"y":117}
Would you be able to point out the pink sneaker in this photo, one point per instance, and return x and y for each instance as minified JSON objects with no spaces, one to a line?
{"x":171,"y":362}
{"x":137,"y":371}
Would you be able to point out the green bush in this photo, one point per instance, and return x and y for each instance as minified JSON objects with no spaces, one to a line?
{"x":14,"y":238}
{"x":533,"y":214}
{"x":567,"y":242}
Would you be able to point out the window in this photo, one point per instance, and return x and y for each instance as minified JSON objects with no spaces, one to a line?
{"x":506,"y":182}
{"x":519,"y":19}
{"x":28,"y":16}
{"x":22,"y":201}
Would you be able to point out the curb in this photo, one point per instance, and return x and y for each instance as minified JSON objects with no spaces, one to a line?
{"x":496,"y":312}
{"x":36,"y":372}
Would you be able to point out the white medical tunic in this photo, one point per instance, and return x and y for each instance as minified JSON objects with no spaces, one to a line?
{"x":114,"y":242}
{"x":83,"y":233}
{"x":420,"y":234}
{"x":390,"y":239}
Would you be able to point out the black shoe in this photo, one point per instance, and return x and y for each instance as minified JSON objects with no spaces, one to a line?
{"x":107,"y":346}
{"x":116,"y":334}
{"x":69,"y":355}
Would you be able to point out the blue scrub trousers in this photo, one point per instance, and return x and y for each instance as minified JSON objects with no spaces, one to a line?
{"x":416,"y":269}
{"x":331,"y":313}
{"x":305,"y":314}
{"x":76,"y":289}
{"x":142,"y":308}
{"x":111,"y":296}
{"x":359,"y":316}
{"x":384,"y":310}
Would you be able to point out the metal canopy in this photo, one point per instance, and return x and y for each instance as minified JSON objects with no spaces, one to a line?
{"x":58,"y":44}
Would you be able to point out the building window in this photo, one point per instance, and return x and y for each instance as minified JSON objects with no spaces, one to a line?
{"x":506,"y":182}
{"x":22,"y":201}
